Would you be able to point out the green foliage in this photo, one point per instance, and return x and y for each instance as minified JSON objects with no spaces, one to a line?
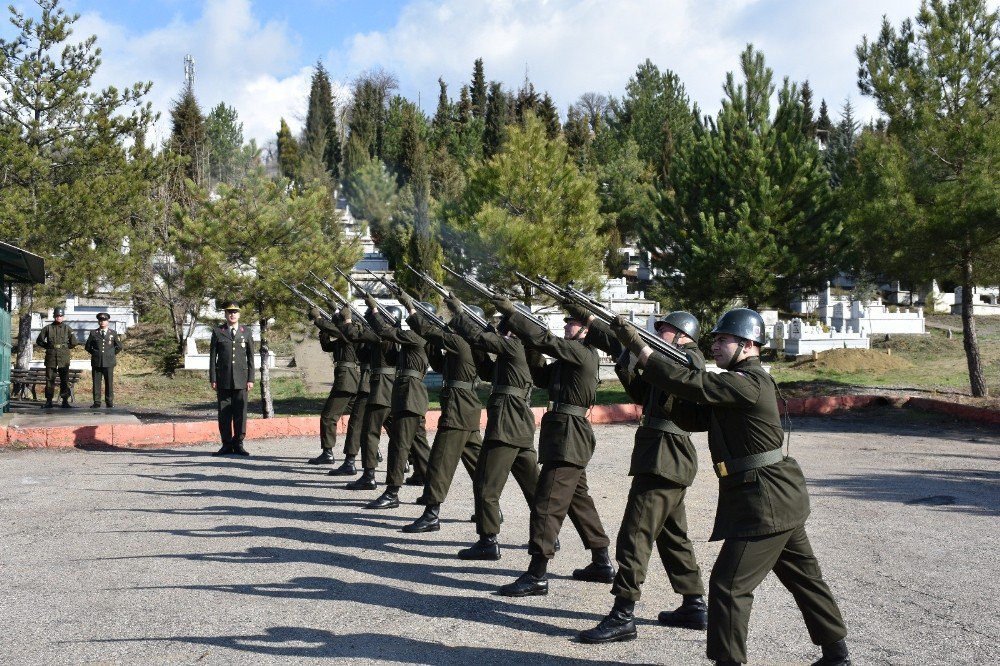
{"x":188,"y":136}
{"x":289,"y":159}
{"x":321,"y":140}
{"x":626,"y":190}
{"x":478,"y":90}
{"x":528,"y":208}
{"x":228,"y":159}
{"x":367,"y":127}
{"x":497,"y":118}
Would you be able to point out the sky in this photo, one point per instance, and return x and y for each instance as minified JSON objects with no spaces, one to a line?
{"x":257,"y":55}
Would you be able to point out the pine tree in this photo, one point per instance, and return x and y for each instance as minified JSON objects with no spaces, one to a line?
{"x":331,"y":151}
{"x":464,"y":106}
{"x":367,"y":127}
{"x":549,"y":115}
{"x":497,"y":118}
{"x":442,"y":116}
{"x":808,"y":121}
{"x":527,"y":101}
{"x":228,"y":158}
{"x":478,"y":90}
{"x":288,"y":152}
{"x":188,"y":136}
{"x":823,"y":122}
{"x":578,"y":135}
{"x":841,"y":146}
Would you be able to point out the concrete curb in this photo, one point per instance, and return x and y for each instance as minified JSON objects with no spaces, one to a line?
{"x":166,"y":435}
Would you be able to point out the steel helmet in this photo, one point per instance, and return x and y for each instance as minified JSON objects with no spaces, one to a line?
{"x":430,"y":307}
{"x":743,"y":323}
{"x":683,"y":321}
{"x":478,"y":310}
{"x":58,"y":312}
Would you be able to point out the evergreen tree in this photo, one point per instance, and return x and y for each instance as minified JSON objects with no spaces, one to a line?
{"x":464,"y":106}
{"x":808,"y":121}
{"x":288,"y":152}
{"x":927,"y":199}
{"x":823,"y":123}
{"x":497,"y":118}
{"x":527,"y":101}
{"x":331,"y":151}
{"x":478,"y":90}
{"x":841,"y":146}
{"x":188,"y":136}
{"x":442,"y":117}
{"x":228,"y":158}
{"x":549,"y":115}
{"x":367,"y":127}
{"x":578,"y":135}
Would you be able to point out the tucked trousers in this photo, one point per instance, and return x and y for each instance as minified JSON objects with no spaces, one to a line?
{"x":355,"y":426}
{"x":375,"y":417}
{"x":497,"y":461}
{"x":450,"y":446}
{"x":742,"y":566}
{"x":406,"y":435}
{"x":337,"y":404}
{"x":654,"y":513}
{"x":232,"y":415}
{"x":561,"y":491}
{"x":50,"y":382}
{"x":107,"y":375}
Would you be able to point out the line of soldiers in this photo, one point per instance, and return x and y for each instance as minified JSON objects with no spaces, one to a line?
{"x":763,"y":503}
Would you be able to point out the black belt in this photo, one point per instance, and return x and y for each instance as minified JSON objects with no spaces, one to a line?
{"x":384,"y":371}
{"x":663,"y":425}
{"x":564,"y":408}
{"x":747,"y":463}
{"x":523,"y":394}
{"x":59,"y":346}
{"x":416,"y":374}
{"x":468,"y":386}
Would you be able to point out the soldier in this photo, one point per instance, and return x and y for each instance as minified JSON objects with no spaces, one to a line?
{"x":230,"y":371}
{"x":458,"y":427}
{"x":346,"y":379}
{"x":409,"y":405}
{"x":104,"y":345}
{"x":763,"y":502}
{"x":57,"y":339}
{"x":509,"y":441}
{"x":663,"y":466}
{"x":355,"y":424}
{"x":565,"y":446}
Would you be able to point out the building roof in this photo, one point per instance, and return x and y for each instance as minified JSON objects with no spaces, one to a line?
{"x":20,"y":265}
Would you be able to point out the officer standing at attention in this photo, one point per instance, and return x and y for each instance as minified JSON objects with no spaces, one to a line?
{"x":565,"y":445}
{"x":57,"y":339}
{"x":103,"y":345}
{"x":230,"y":371}
{"x":763,"y":502}
{"x":346,"y":378}
{"x":664,"y":463}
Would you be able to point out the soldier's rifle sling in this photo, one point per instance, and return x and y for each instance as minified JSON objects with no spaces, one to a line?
{"x":444,"y":293}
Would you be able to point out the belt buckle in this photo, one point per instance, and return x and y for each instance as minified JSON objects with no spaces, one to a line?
{"x":720,"y":469}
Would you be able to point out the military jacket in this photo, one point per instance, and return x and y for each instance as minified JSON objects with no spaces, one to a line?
{"x":381,"y":357}
{"x":230,"y":357}
{"x":460,"y":407}
{"x":103,"y":349}
{"x":408,"y":391}
{"x":571,"y":380}
{"x":667,"y":450}
{"x":509,"y":418}
{"x":347,"y":369}
{"x":56,"y":340}
{"x":739,"y":410}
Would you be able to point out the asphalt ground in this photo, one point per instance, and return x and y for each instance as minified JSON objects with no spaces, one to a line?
{"x":176,"y":557}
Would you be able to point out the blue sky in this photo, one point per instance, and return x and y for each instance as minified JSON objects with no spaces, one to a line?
{"x":257,"y":55}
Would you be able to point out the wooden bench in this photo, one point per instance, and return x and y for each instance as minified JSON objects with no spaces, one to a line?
{"x":23,"y":380}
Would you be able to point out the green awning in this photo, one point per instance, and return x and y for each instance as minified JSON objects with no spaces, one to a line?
{"x":19,"y":265}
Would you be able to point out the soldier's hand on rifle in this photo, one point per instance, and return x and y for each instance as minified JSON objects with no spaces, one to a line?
{"x":314,"y":313}
{"x":454,"y":304}
{"x":504,"y":306}
{"x":370,"y":302}
{"x":628,"y":335}
{"x":407,"y":302}
{"x":346,"y":313}
{"x":578,"y":312}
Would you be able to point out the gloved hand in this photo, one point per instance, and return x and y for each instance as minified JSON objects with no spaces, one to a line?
{"x":627,"y":335}
{"x":578,"y":312}
{"x":314,"y":313}
{"x":345,"y":313}
{"x":504,"y":306}
{"x":370,"y":302}
{"x":454,"y":304}
{"x":405,"y":299}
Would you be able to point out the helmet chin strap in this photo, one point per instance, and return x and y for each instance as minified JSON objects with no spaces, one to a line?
{"x":736,"y":355}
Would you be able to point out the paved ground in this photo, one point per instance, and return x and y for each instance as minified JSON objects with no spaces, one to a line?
{"x":176,"y":557}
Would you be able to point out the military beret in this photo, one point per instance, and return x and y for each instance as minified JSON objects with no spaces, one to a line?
{"x":103,"y":316}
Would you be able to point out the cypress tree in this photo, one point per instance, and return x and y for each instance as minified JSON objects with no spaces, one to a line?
{"x":464,"y":106}
{"x":497,"y":117}
{"x":479,"y":98}
{"x":288,"y":152}
{"x":549,"y":114}
{"x":442,"y":117}
{"x":823,"y":123}
{"x":808,"y":122}
{"x":527,"y":101}
{"x":187,"y":134}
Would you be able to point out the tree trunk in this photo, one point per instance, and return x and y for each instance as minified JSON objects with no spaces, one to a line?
{"x":266,"y":401}
{"x":25,"y":343}
{"x":971,"y":343}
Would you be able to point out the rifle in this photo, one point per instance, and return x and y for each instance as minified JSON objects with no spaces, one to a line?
{"x":340,"y":298}
{"x":382,"y":310}
{"x":571,"y":294}
{"x":444,"y":293}
{"x":311,"y":303}
{"x":486,"y":292}
{"x":395,"y":288}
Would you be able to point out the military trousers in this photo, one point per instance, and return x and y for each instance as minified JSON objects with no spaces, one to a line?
{"x":50,"y":382}
{"x":375,"y":418}
{"x":450,"y":446}
{"x":406,"y":435}
{"x":742,"y":566}
{"x":654,"y":513}
{"x":355,"y":426}
{"x":232,"y":415}
{"x":497,"y":461}
{"x":337,"y":404}
{"x":561,"y":491}
{"x":107,"y":376}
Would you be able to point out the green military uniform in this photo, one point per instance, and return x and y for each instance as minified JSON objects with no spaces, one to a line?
{"x":57,"y":340}
{"x":409,"y":402}
{"x":230,"y":368}
{"x":382,"y":357}
{"x":763,"y":502}
{"x":509,"y":440}
{"x":355,"y":424}
{"x":663,"y":466}
{"x":458,"y":426}
{"x":566,"y":440}
{"x":103,"y":345}
{"x":346,"y":380}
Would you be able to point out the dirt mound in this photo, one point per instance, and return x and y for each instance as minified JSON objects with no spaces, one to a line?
{"x":854,"y":360}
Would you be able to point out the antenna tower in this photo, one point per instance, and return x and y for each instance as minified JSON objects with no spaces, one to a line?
{"x":189,"y":71}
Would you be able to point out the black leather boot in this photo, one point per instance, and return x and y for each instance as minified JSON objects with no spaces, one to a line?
{"x":415,"y":480}
{"x":346,"y":468}
{"x":95,"y":405}
{"x":526,"y":585}
{"x":48,"y":403}
{"x":387,"y":500}
{"x":428,"y":522}
{"x":65,"y":403}
{"x":600,"y":570}
{"x":691,"y":614}
{"x":486,"y":548}
{"x":834,"y":654}
{"x":224,"y":451}
{"x":619,"y":625}
{"x":324,"y":458}
{"x":238,"y":448}
{"x":364,"y":482}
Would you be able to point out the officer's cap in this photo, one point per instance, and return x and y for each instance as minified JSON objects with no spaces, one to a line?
{"x":103,"y":316}
{"x":229,"y":304}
